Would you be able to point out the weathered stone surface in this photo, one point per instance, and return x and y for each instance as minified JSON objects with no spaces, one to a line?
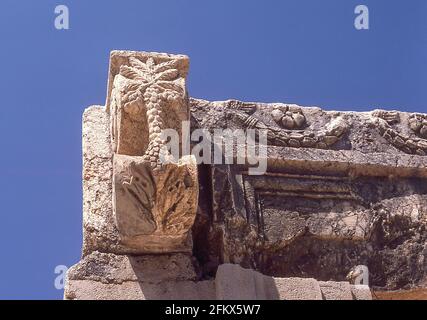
{"x":341,"y":189}
{"x":297,"y":289}
{"x":155,"y":191}
{"x":109,"y":268}
{"x":99,"y":229}
{"x":336,"y":290}
{"x":233,"y":282}
{"x":121,"y":278}
{"x":312,"y":203}
{"x":177,"y":290}
{"x":147,"y":94}
{"x":361,"y":292}
{"x":155,"y":209}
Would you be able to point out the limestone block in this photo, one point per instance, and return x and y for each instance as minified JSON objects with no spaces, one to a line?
{"x":297,"y":289}
{"x":110,"y":268}
{"x":155,"y":189}
{"x":361,"y":292}
{"x":133,"y":290}
{"x":155,"y":209}
{"x":232,"y":282}
{"x":147,"y":94}
{"x":336,"y":290}
{"x":99,"y":230}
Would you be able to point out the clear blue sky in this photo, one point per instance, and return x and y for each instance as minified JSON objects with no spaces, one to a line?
{"x":299,"y":51}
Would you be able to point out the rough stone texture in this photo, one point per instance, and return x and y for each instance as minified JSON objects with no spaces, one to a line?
{"x":361,"y":292}
{"x":322,"y":207}
{"x":234,"y":282}
{"x":297,"y":289}
{"x":177,"y":290}
{"x":155,"y":192}
{"x":99,"y":228}
{"x":117,"y":278}
{"x":109,"y":268}
{"x":336,"y":290}
{"x":147,"y":94}
{"x":155,"y":210}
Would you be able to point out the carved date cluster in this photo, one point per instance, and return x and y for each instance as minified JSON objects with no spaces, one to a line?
{"x":418,"y":124}
{"x":152,"y":85}
{"x":289,"y":117}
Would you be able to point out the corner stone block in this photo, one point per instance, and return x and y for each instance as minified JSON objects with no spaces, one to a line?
{"x":336,"y":290}
{"x":361,"y":292}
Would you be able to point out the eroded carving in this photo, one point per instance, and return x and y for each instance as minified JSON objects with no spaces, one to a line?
{"x":155,"y":201}
{"x":322,"y":139}
{"x":289,"y":117}
{"x":148,"y":96}
{"x":154,"y":210}
{"x":418,"y":123}
{"x":384,"y":120}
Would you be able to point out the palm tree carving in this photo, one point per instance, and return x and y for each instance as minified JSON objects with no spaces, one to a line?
{"x":151,"y":85}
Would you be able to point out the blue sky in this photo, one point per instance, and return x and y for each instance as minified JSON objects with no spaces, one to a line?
{"x":300,"y":51}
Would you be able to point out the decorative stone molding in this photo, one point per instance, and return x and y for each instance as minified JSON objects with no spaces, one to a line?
{"x":290,"y":117}
{"x":384,"y":120}
{"x":154,"y":203}
{"x":418,"y":123}
{"x":322,"y":139}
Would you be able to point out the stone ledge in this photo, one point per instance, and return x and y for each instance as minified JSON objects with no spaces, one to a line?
{"x":113,"y":280}
{"x":108,"y":268}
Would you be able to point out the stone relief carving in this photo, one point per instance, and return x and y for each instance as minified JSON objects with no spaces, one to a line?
{"x":322,"y":139}
{"x":289,"y":117}
{"x":147,"y":94}
{"x":384,"y":121}
{"x":155,"y":201}
{"x":418,"y":123}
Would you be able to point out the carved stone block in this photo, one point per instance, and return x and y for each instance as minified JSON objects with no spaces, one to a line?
{"x":155,"y":209}
{"x":147,"y":94}
{"x":154,"y":202}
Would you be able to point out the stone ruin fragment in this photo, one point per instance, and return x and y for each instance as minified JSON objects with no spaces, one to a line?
{"x":341,"y":189}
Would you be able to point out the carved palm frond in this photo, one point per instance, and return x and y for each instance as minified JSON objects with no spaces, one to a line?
{"x":172,"y":86}
{"x":139,"y":186}
{"x":132,"y":73}
{"x":174,"y":201}
{"x":172,"y":64}
{"x":143,"y":75}
{"x":138,"y":64}
{"x":167,"y":75}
